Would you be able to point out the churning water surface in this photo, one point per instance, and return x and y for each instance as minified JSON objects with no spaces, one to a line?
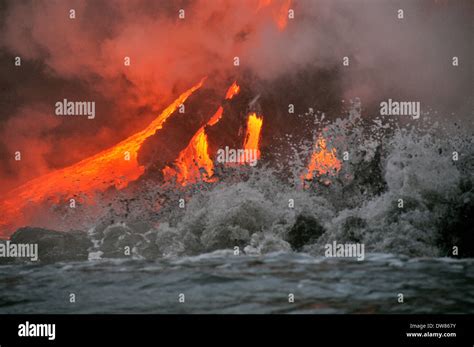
{"x":221,"y":282}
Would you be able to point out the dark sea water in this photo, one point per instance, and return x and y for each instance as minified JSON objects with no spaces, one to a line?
{"x":221,"y":282}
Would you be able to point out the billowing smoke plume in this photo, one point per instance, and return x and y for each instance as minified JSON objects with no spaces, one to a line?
{"x":83,"y":59}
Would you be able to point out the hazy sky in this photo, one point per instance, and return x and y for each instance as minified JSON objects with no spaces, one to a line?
{"x":83,"y":59}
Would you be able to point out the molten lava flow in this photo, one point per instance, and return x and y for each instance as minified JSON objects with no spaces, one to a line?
{"x":194,"y":163}
{"x":322,"y":161}
{"x":252,"y":135}
{"x":216,"y":117}
{"x":114,"y":166}
{"x":233,"y":90}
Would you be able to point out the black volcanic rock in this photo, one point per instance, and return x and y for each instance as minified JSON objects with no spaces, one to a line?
{"x":115,"y":240}
{"x":53,"y":246}
{"x":305,"y":230}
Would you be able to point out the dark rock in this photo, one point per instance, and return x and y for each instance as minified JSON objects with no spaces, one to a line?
{"x":139,"y":227}
{"x":305,"y":230}
{"x":53,"y":246}
{"x":116,"y":238}
{"x":354,"y":229}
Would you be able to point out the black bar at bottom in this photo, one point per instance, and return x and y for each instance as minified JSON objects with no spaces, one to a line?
{"x":319,"y":330}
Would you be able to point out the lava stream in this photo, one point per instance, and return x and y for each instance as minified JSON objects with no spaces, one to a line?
{"x":233,"y":90}
{"x":252,"y":135}
{"x":116,"y":166}
{"x":323,"y":161}
{"x":194,"y":163}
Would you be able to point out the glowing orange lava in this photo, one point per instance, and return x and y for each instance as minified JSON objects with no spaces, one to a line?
{"x":252,"y":135}
{"x":323,"y":161}
{"x":194,"y":163}
{"x":233,"y":90}
{"x":116,"y":166}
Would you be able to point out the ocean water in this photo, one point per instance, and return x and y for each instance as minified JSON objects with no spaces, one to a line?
{"x":220,"y":282}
